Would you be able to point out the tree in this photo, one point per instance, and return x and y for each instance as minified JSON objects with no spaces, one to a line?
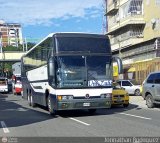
{"x":19,"y":48}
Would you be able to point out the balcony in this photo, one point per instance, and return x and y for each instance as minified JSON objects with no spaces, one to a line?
{"x":121,"y":23}
{"x":112,"y":8}
{"x":126,"y":43}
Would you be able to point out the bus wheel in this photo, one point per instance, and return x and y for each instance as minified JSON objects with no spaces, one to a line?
{"x":50,"y":106}
{"x":32,"y":101}
{"x":92,"y":111}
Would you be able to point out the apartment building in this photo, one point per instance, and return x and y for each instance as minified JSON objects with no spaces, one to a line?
{"x":134,"y":31}
{"x":10,"y":34}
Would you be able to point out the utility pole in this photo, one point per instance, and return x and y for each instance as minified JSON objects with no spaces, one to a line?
{"x":1,"y":51}
{"x":26,"y":44}
{"x":104,"y":17}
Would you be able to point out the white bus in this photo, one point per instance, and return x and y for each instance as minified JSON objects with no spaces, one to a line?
{"x":68,"y":71}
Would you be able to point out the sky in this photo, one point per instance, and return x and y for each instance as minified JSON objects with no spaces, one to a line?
{"x":38,"y":18}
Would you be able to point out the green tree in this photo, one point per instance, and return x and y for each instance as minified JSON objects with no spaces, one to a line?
{"x":19,"y":48}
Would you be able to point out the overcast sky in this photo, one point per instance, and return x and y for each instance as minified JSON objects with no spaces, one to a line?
{"x":41,"y":17}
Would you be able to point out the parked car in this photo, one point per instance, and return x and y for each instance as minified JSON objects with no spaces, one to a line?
{"x":119,"y":96}
{"x":3,"y":85}
{"x":130,"y":86}
{"x":151,"y":89}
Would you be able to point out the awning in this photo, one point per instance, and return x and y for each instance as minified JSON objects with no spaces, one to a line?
{"x":132,"y":69}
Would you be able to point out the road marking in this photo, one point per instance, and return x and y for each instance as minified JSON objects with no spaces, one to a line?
{"x":80,"y":121}
{"x":5,"y":129}
{"x":136,"y":116}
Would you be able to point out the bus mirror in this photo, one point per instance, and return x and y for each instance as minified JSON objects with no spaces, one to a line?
{"x":51,"y":67}
{"x":119,"y":63}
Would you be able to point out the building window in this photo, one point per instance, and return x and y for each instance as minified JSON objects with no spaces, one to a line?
{"x":135,"y":7}
{"x":137,"y":31}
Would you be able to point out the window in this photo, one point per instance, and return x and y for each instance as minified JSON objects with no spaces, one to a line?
{"x":38,"y":56}
{"x":157,"y":79}
{"x":135,"y":7}
{"x":126,"y":83}
{"x":151,"y":78}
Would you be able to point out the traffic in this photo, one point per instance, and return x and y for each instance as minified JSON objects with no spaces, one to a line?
{"x":72,"y":87}
{"x":68,"y":77}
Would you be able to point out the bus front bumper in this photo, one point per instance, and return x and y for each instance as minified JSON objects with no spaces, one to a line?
{"x":84,"y":104}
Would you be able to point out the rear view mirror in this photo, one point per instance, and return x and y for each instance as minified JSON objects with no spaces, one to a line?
{"x":51,"y":70}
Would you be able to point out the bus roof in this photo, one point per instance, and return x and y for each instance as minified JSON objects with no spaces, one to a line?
{"x":70,"y":34}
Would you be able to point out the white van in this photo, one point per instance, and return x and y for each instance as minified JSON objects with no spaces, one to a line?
{"x":3,"y":85}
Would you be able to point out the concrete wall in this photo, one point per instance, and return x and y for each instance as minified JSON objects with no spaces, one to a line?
{"x":151,"y":14}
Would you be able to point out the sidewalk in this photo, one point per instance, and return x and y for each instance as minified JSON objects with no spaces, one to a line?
{"x":138,"y":100}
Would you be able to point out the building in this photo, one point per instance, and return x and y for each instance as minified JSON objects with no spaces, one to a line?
{"x":134,"y":31}
{"x":10,"y":34}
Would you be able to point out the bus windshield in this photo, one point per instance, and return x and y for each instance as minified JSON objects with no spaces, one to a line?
{"x":89,"y":44}
{"x":83,"y":71}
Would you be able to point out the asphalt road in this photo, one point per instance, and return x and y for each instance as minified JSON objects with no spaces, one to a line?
{"x":17,"y":119}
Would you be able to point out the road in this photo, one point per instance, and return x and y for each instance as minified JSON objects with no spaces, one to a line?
{"x":18,"y":119}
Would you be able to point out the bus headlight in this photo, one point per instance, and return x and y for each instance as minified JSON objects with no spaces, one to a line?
{"x":106,"y":95}
{"x":70,"y":97}
{"x":59,"y":97}
{"x":64,"y":97}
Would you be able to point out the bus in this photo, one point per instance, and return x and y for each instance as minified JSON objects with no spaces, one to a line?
{"x":69,"y":71}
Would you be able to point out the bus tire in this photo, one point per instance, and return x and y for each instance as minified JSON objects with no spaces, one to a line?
{"x":50,"y":106}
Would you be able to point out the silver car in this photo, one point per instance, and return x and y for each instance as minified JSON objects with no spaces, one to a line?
{"x":130,"y":87}
{"x":151,"y":89}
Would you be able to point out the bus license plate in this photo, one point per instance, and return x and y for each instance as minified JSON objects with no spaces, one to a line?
{"x":86,"y":104}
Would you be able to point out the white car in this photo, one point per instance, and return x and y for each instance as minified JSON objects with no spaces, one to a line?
{"x":130,"y":87}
